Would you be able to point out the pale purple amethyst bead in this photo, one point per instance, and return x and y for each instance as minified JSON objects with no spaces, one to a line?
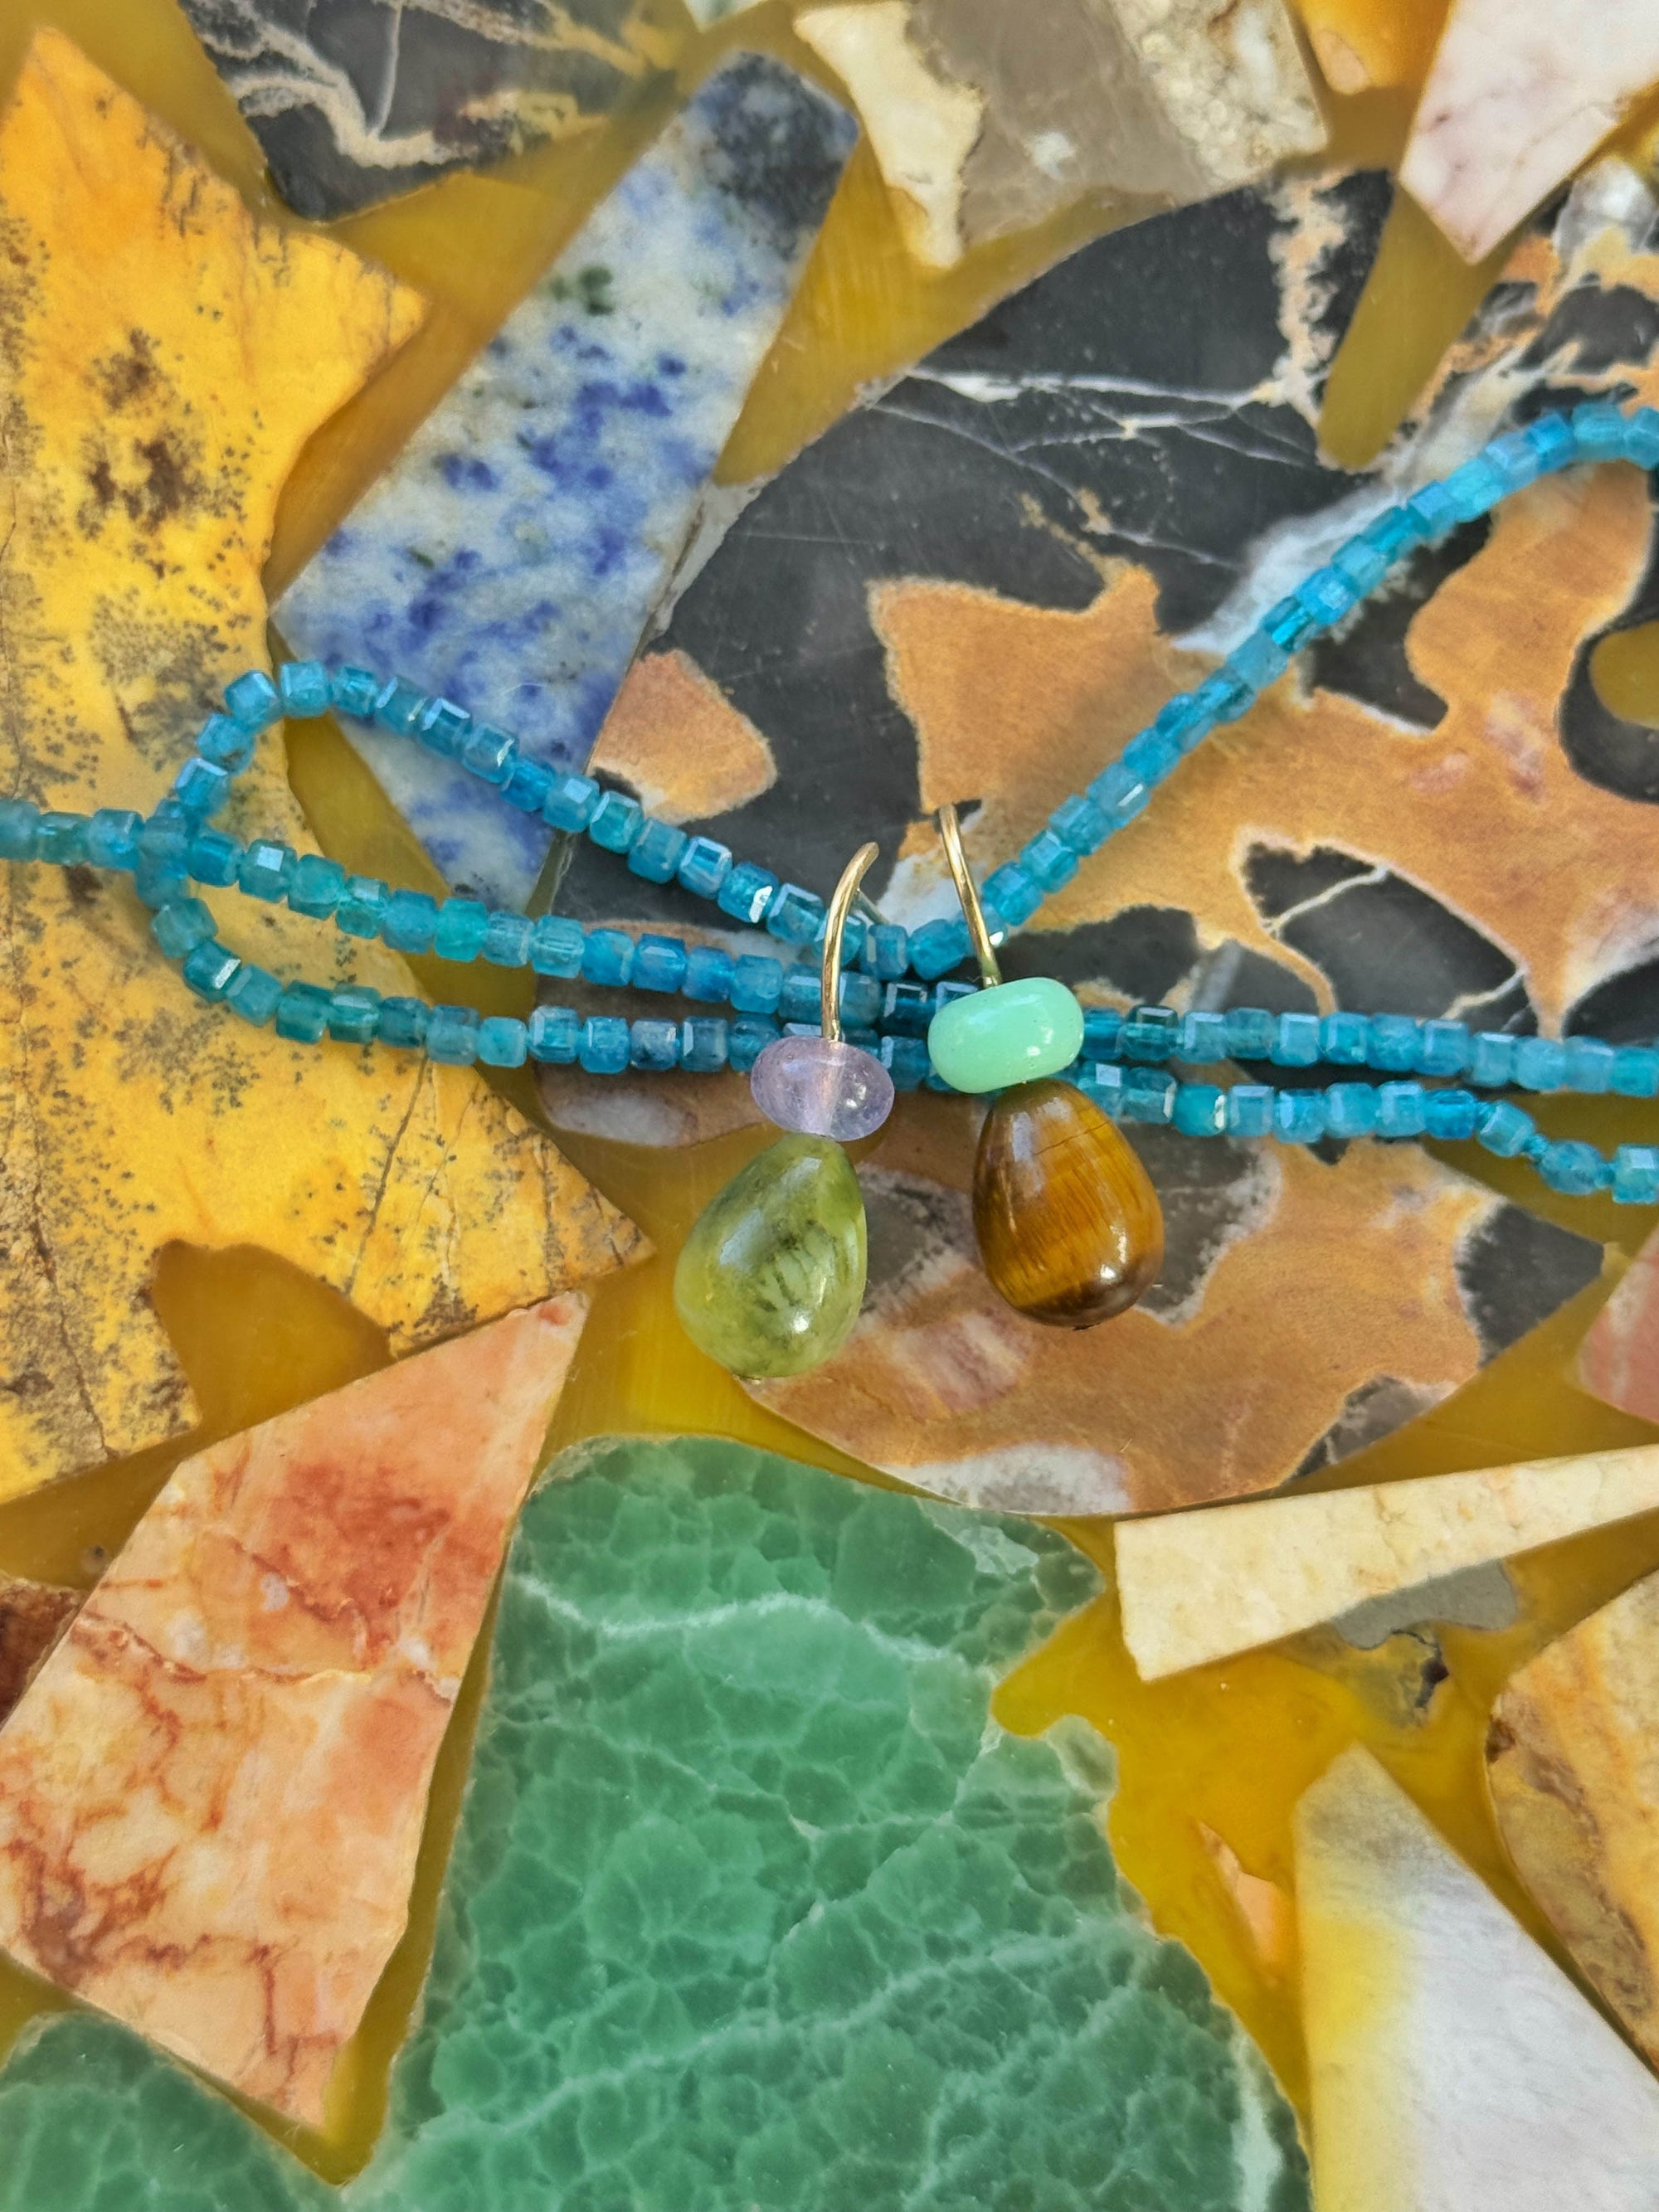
{"x":821,"y":1089}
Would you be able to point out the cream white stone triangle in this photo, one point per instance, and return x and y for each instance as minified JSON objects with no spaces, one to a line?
{"x":1453,"y":2067}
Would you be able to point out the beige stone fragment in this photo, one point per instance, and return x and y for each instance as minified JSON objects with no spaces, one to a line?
{"x":1452,"y":2065}
{"x":33,"y":1616}
{"x":212,"y":1793}
{"x":1231,"y":80}
{"x":1517,"y":98}
{"x":1573,"y":1764}
{"x":1199,"y":1586}
{"x":1265,"y":1910}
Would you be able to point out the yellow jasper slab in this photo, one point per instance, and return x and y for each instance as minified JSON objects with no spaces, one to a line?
{"x":212,"y":1793}
{"x":1199,"y":1586}
{"x":163,"y":358}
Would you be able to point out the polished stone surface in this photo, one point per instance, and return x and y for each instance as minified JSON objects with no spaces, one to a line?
{"x":353,"y":100}
{"x":1200,"y":1586}
{"x":33,"y":1616}
{"x":1454,"y":2068}
{"x":769,"y":1281}
{"x":510,"y":557}
{"x":213,"y":1791}
{"x":1011,"y":1033}
{"x":752,"y":1903}
{"x":821,"y":1087}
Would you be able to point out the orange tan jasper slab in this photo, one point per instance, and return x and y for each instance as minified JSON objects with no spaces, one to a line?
{"x":212,"y":1793}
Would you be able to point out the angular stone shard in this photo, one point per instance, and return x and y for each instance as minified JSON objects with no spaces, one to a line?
{"x":511,"y":557}
{"x":1516,"y":99}
{"x":165,"y":359}
{"x":1572,"y":1761}
{"x":356,"y":99}
{"x":1619,"y":1360}
{"x":751,"y":1902}
{"x":1453,"y":2067}
{"x":1197,"y":1586}
{"x":33,"y":1616}
{"x":212,"y":1793}
{"x":980,"y":131}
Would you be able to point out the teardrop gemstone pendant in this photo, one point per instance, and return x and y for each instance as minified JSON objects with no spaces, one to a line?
{"x":1069,"y":1226}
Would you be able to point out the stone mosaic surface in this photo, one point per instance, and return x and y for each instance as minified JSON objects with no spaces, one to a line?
{"x":751,"y":1903}
{"x":353,"y":100}
{"x":512,"y":555}
{"x":164,"y":359}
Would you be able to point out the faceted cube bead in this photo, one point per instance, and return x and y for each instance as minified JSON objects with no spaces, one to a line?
{"x":607,"y":957}
{"x":800,"y":997}
{"x":1105,"y":1083}
{"x":1453,"y":1116}
{"x":1343,"y":1040}
{"x":354,"y":1013}
{"x":442,"y":727}
{"x":1636,"y":1174}
{"x":361,"y":908}
{"x":354,"y":692}
{"x":1299,"y":1116}
{"x":553,"y":1034}
{"x":254,"y":993}
{"x":401,"y":1022}
{"x":1251,"y":1110}
{"x":1435,"y":515}
{"x":747,"y":892}
{"x":886,"y":951}
{"x":266,"y":870}
{"x":490,"y":754}
{"x":907,"y":1009}
{"x":708,"y":972}
{"x":1589,"y":1065}
{"x":164,"y":838}
{"x":1351,"y":1109}
{"x":1540,"y":1064}
{"x":703,"y":1044}
{"x":1259,"y":661}
{"x":316,"y":886}
{"x":462,"y":924}
{"x":1635,"y":1072}
{"x":1103,"y":1030}
{"x":502,"y":1041}
{"x":747,"y":1039}
{"x":156,"y":882}
{"x":703,"y":866}
{"x":906,"y":1061}
{"x":1360,"y":563}
{"x":304,"y":688}
{"x":1222,"y":696}
{"x":527,"y":786}
{"x":859,"y":999}
{"x":1575,"y":1170}
{"x":938,"y":946}
{"x":399,"y":707}
{"x":209,"y":969}
{"x":201,"y":788}
{"x":112,"y":838}
{"x":1491,"y":1060}
{"x":605,"y":1045}
{"x":1506,"y":1128}
{"x":1119,"y":793}
{"x":1296,"y":1041}
{"x":1290,"y":625}
{"x":254,"y":701}
{"x":506,"y":940}
{"x":656,"y":851}
{"x":411,"y":921}
{"x":947,"y":992}
{"x":1516,"y":459}
{"x":1203,"y":1038}
{"x":302,"y":1012}
{"x":1148,"y":1095}
{"x":1149,"y":1033}
{"x":1327,"y":595}
{"x":62,"y":838}
{"x":1392,"y":1042}
{"x":616,"y":821}
{"x":20,"y":828}
{"x":556,"y":945}
{"x":1014,"y":894}
{"x":1442,"y":1049}
{"x":1049,"y":861}
{"x":1151,"y":754}
{"x":1394,"y":532}
{"x":1079,"y":824}
{"x":223,"y":741}
{"x":653,"y":1046}
{"x":658,"y":963}
{"x":570,"y":802}
{"x":794,"y":914}
{"x":211,"y":857}
{"x":1251,"y":1032}
{"x":1401,"y":1109}
{"x":180,"y":926}
{"x":1476,"y":488}
{"x":451,"y":1036}
{"x":757,"y":984}
{"x":1200,"y":1109}
{"x":1552,"y":438}
{"x":1642,"y":438}
{"x":1184,"y":720}
{"x":1598,"y":426}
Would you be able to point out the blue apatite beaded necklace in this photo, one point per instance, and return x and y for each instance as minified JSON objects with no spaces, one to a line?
{"x":893,"y":982}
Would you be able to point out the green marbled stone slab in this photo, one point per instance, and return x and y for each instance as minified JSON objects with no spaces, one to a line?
{"x":752,"y":1906}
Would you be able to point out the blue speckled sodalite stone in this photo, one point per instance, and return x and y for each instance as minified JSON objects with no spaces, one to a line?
{"x":513,"y":555}
{"x":751,"y":1905}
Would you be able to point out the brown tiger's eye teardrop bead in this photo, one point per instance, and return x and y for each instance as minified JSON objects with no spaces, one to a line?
{"x":1069,"y":1226}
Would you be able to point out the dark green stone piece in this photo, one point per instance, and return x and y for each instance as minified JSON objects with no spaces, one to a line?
{"x":751,"y":1905}
{"x":770,"y":1279}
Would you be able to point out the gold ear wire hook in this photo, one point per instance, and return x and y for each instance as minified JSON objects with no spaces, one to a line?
{"x":950,"y":834}
{"x":834,"y":929}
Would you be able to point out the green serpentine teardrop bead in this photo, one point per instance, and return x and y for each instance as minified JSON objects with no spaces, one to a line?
{"x":770,"y":1279}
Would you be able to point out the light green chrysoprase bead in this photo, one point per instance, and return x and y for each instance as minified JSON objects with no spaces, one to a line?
{"x":770,"y":1279}
{"x":1013,"y":1033}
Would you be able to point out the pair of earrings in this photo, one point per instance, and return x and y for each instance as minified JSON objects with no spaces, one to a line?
{"x":770,"y":1280}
